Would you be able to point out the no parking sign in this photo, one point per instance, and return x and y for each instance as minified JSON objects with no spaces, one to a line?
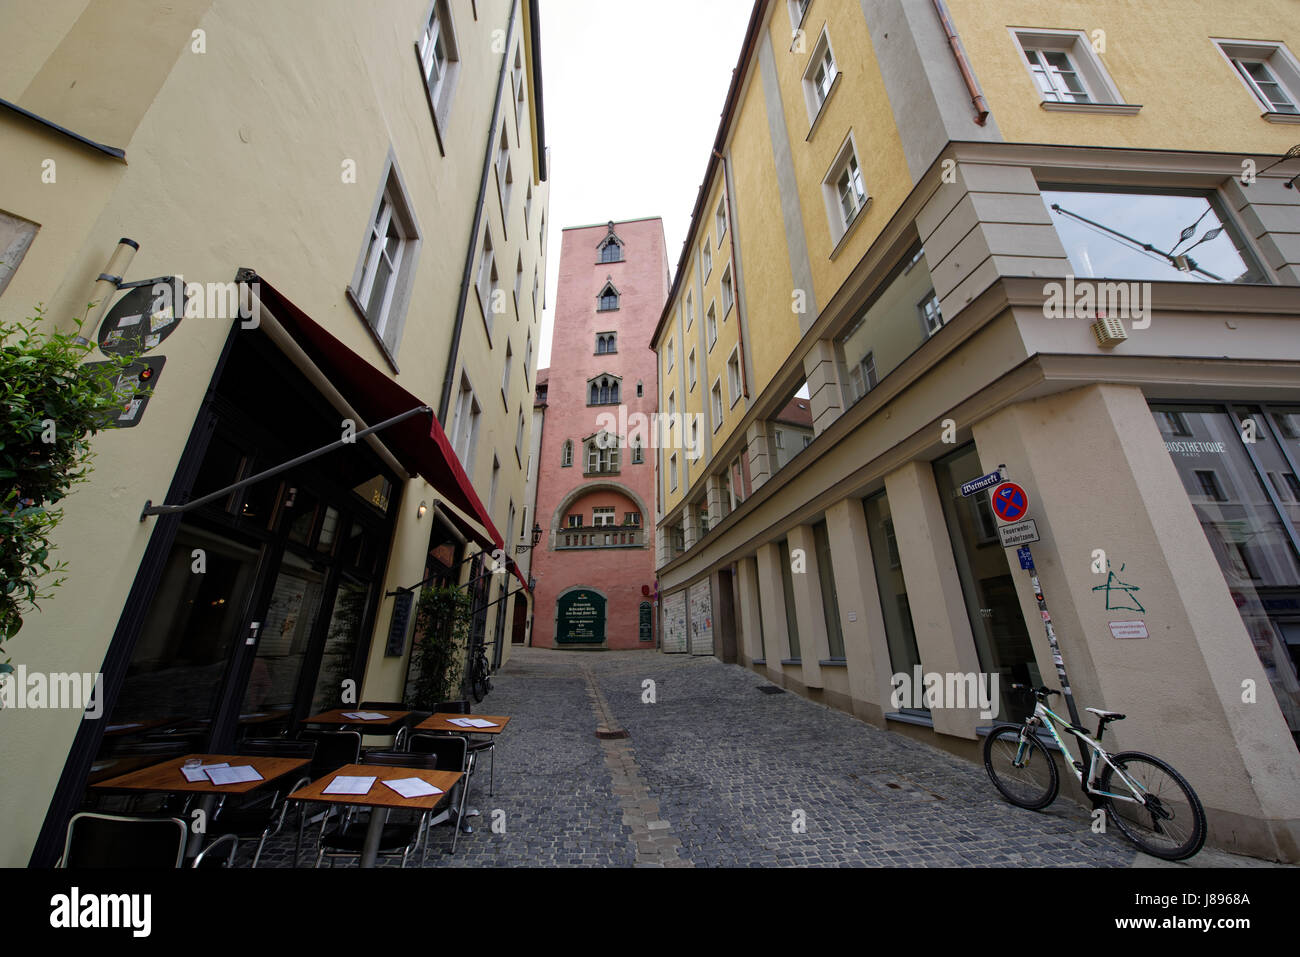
{"x":1010,"y":502}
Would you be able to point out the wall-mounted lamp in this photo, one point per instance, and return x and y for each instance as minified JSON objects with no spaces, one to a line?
{"x":537,"y":537}
{"x":419,"y":512}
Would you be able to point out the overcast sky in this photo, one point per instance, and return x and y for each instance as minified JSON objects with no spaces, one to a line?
{"x":632,"y":93}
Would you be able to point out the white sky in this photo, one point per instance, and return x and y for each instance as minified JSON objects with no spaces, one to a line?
{"x":632,"y":94}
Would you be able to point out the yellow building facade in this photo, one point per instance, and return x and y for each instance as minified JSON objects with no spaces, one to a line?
{"x":959,"y":232}
{"x":350,"y":206}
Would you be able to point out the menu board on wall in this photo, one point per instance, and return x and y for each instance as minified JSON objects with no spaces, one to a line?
{"x":701,"y":602}
{"x":674,"y":636}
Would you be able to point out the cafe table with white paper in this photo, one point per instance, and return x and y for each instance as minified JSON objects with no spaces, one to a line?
{"x":380,"y":788}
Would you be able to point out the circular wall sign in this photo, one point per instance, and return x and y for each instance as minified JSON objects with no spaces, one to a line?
{"x":1010,"y":502}
{"x":141,"y":319}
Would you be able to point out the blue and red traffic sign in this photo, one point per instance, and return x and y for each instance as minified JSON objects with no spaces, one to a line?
{"x":1010,"y":502}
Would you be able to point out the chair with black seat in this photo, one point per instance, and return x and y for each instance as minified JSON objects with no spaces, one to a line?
{"x":477,"y":746}
{"x":402,"y":732}
{"x":263,"y":816}
{"x":397,"y":837}
{"x":453,"y":754}
{"x":333,"y":750}
{"x":118,"y":840}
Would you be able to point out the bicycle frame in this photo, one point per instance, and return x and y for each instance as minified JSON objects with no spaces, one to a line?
{"x":1045,"y":715}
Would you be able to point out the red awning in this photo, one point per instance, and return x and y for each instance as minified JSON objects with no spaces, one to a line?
{"x":423,"y":449}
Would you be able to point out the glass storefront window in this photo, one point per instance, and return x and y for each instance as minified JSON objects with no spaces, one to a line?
{"x":282,"y":646}
{"x":341,"y":639}
{"x":1250,"y":525}
{"x":787,"y":587}
{"x":904,"y":655}
{"x":1001,"y":637}
{"x":830,"y":600}
{"x":1088,"y":221}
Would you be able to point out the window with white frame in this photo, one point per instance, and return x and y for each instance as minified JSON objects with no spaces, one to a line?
{"x":711,"y":325}
{"x":517,"y":83}
{"x":690,"y":311}
{"x":528,"y":358}
{"x":716,"y":394}
{"x":1066,"y":68}
{"x":638,"y":452}
{"x":528,"y":208}
{"x":381,"y":282}
{"x":519,"y":438}
{"x":566,"y":454}
{"x":488,"y":281}
{"x":798,"y":8}
{"x":439,"y":59}
{"x":668,"y":356}
{"x":672,"y":404}
{"x":720,"y":218}
{"x":465,"y":423}
{"x":728,"y":291}
{"x":672,"y":472}
{"x":706,"y":259}
{"x":505,"y":174}
{"x":819,"y":76}
{"x":1269,"y":71}
{"x":690,"y":370}
{"x":931,"y":316}
{"x":505,"y":376}
{"x":862,"y":377}
{"x":537,"y":282}
{"x":733,"y":375}
{"x":844,"y":189}
{"x":602,"y":454}
{"x":519,"y":282}
{"x":603,"y":515}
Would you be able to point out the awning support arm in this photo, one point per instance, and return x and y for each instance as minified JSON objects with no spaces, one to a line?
{"x":151,"y":509}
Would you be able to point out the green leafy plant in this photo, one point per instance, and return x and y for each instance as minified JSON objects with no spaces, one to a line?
{"x":442,"y":618}
{"x":50,"y":406}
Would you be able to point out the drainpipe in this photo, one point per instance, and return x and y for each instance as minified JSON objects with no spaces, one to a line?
{"x":963,"y":63}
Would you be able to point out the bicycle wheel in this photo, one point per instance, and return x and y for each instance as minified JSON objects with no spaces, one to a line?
{"x":1025,"y":774}
{"x":1171,"y":824}
{"x":480,"y":683}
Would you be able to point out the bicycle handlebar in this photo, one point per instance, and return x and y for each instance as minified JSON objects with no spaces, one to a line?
{"x":1042,"y":692}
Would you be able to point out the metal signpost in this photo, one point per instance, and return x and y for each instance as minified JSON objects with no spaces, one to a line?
{"x":1011,"y":506}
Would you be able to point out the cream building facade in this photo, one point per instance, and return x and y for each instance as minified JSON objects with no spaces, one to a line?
{"x":370,"y":181}
{"x":901,"y":200}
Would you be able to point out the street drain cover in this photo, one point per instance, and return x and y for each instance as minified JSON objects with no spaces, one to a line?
{"x":771,"y":689}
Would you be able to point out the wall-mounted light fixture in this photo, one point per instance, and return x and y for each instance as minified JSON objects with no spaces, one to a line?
{"x":419,"y":512}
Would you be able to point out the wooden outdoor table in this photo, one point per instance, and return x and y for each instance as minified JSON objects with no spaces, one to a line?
{"x":335,"y":716}
{"x":167,"y":777}
{"x":442,"y":722}
{"x":380,"y":798}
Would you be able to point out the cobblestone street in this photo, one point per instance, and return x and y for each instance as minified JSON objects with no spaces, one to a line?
{"x":715,"y":773}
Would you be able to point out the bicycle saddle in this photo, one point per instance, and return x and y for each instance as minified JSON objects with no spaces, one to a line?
{"x":1106,"y":715}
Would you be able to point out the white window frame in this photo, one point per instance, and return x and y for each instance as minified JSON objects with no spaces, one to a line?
{"x":392,"y":208}
{"x":517,"y":76}
{"x":690,"y":371}
{"x":1077,"y":47}
{"x":439,"y":28}
{"x":715,"y":400}
{"x":505,"y":376}
{"x":505,"y":174}
{"x":733,"y":376}
{"x":672,"y":472}
{"x":1280,"y":63}
{"x":927,"y":326}
{"x":488,"y":280}
{"x":817,"y":94}
{"x":566,"y":454}
{"x":798,"y":10}
{"x":711,"y":325}
{"x":846,"y":161}
{"x":690,"y":310}
{"x":706,"y":259}
{"x":668,"y":351}
{"x":465,"y":425}
{"x":728,"y":292}
{"x":720,"y":218}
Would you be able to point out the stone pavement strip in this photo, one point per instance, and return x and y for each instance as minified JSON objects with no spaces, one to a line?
{"x":714,"y":773}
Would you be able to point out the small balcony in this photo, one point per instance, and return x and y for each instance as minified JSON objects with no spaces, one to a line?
{"x":600,"y":536}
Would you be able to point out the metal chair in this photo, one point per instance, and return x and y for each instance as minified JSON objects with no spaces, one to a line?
{"x":114,"y":840}
{"x":452,"y":753}
{"x":348,"y":839}
{"x":476,"y":747}
{"x":402,"y":732}
{"x":202,"y":859}
{"x":261,"y":818}
{"x":333,"y":750}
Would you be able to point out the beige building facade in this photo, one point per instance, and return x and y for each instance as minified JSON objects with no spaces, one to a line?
{"x":956,"y":233}
{"x":350,"y":202}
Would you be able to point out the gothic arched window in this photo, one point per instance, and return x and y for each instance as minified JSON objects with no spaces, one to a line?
{"x":566,"y":457}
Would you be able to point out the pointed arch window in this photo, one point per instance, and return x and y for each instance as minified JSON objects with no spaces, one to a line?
{"x":602,"y":453}
{"x":566,"y":456}
{"x":608,"y":299}
{"x":606,"y":343}
{"x":603,"y":390}
{"x":610,"y":249}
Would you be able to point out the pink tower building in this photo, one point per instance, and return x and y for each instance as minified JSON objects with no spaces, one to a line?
{"x":595,"y":478}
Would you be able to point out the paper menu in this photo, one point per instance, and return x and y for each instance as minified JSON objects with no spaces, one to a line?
{"x":471,"y":723}
{"x":233,"y":775}
{"x":413,"y":787}
{"x":350,"y":785}
{"x":195,"y":775}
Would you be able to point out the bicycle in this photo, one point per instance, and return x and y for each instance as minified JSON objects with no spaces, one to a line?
{"x":480,"y":673}
{"x":1165,"y":822}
